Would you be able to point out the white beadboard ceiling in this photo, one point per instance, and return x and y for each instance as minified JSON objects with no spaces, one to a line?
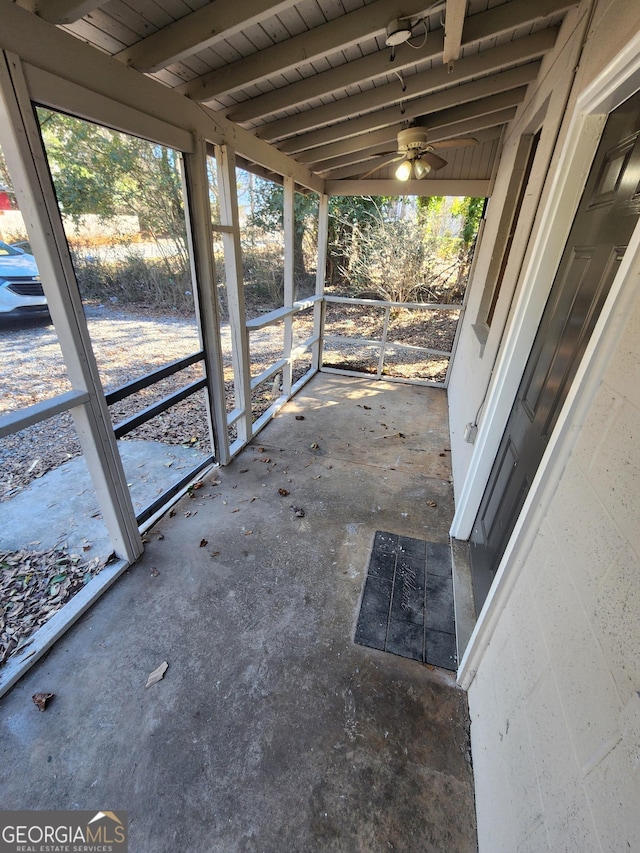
{"x":316,"y":79}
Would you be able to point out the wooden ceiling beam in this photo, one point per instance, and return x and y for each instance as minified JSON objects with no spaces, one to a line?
{"x":54,"y":51}
{"x":510,"y":85}
{"x":316,"y":157}
{"x":63,"y":11}
{"x":486,"y":106}
{"x":328,"y":38}
{"x":194,"y":32}
{"x":431,"y":186}
{"x":478,"y":27}
{"x":352,"y":145}
{"x":489,"y":61}
{"x":453,"y":23}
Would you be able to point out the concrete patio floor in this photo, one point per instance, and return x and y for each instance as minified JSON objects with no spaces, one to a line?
{"x":271,"y":730}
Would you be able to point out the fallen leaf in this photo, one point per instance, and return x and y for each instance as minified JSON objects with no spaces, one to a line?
{"x":40,"y":700}
{"x":431,"y":503}
{"x":283,"y":492}
{"x":314,"y":445}
{"x":157,"y":674}
{"x":298,"y":511}
{"x":204,"y":543}
{"x":154,"y":572}
{"x":215,"y":553}
{"x":299,"y":417}
{"x":248,"y":533}
{"x":243,"y":471}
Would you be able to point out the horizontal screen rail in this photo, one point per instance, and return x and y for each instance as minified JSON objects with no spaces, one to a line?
{"x":279,"y":314}
{"x":367,"y":342}
{"x":145,"y":415}
{"x":160,"y":502}
{"x":151,"y":378}
{"x":13,"y":422}
{"x":382,"y":303}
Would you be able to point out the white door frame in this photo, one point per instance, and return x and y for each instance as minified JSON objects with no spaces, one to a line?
{"x":619,"y":80}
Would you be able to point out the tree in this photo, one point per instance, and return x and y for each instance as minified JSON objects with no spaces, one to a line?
{"x":266,"y":213}
{"x":414,"y":252}
{"x":101,"y":171}
{"x":346,"y":215}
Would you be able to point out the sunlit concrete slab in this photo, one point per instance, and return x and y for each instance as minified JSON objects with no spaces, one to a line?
{"x":271,"y":729}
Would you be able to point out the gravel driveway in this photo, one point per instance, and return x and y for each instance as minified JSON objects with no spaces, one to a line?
{"x":126,"y":345}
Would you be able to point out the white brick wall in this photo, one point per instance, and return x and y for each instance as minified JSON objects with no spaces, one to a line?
{"x":555,"y":704}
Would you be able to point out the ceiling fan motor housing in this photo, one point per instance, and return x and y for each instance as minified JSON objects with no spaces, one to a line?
{"x":412,"y":139}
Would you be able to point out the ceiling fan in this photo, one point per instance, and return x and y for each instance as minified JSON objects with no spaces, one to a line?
{"x":416,"y":154}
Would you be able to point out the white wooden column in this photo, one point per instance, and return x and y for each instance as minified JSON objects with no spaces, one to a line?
{"x":26,"y":159}
{"x":321,"y":270}
{"x":198,"y":211}
{"x":229,"y":217}
{"x":289,"y":239}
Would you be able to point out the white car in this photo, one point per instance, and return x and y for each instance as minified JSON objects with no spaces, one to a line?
{"x":21,"y":292}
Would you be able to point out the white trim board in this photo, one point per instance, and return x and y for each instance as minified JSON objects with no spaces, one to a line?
{"x":619,"y":80}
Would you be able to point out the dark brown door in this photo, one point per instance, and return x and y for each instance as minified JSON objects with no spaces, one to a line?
{"x":598,"y":238}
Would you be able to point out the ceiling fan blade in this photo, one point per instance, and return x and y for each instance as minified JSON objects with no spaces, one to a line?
{"x":462,"y":142}
{"x":433,"y":160}
{"x":380,"y":166}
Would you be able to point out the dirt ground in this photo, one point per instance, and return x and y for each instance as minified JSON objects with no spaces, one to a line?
{"x":128,"y":344}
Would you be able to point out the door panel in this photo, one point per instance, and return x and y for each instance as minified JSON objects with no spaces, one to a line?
{"x":603,"y":224}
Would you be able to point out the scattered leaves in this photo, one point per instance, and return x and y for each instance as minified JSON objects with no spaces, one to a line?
{"x":157,"y":674}
{"x":40,"y":700}
{"x":33,"y":586}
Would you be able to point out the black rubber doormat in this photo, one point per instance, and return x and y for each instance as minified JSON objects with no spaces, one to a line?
{"x":407,"y":603}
